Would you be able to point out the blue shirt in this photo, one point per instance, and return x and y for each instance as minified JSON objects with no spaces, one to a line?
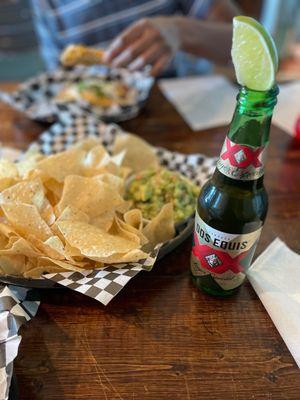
{"x":96,"y":22}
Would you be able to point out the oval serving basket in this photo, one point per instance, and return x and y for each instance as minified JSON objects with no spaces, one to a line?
{"x":196,"y":167}
{"x":37,"y":96}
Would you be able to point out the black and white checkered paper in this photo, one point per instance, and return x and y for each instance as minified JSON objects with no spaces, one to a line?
{"x":15,"y":310}
{"x":36,"y":97}
{"x":104,"y":284}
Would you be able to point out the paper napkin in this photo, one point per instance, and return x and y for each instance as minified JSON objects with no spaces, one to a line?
{"x":203,"y":102}
{"x":275,"y":276}
{"x":288,"y":108}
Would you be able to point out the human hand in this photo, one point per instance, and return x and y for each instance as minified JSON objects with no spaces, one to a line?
{"x":151,"y":41}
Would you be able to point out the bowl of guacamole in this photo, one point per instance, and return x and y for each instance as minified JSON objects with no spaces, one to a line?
{"x":151,"y":189}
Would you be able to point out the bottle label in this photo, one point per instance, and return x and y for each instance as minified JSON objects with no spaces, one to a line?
{"x":224,"y":256}
{"x":241,"y":162}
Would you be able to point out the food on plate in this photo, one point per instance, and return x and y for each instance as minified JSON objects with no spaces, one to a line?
{"x":70,"y":211}
{"x":153,"y":230}
{"x":152,"y":188}
{"x":99,"y":92}
{"x":138,"y":154}
{"x":76,"y":54}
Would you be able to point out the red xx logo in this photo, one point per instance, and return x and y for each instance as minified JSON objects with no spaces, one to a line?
{"x":241,"y":156}
{"x":217,"y":261}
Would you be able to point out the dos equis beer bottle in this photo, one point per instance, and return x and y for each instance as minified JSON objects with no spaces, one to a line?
{"x":233,"y":204}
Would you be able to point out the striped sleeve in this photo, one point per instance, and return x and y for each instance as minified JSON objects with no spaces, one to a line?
{"x":49,"y":49}
{"x":195,"y":8}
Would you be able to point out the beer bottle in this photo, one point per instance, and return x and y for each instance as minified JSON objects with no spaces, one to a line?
{"x":232,"y":205}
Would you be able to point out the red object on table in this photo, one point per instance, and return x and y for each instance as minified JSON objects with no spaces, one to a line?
{"x":297,"y":128}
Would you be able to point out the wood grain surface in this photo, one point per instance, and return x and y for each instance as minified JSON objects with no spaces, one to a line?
{"x":161,"y":338}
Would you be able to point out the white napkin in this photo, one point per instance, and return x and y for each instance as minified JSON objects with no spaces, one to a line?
{"x":209,"y":101}
{"x":275,"y":276}
{"x":203,"y":102}
{"x":288,"y":108}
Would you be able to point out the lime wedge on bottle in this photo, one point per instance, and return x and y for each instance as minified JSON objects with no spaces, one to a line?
{"x":254,"y":54}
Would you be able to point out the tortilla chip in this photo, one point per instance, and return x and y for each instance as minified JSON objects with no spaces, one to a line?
{"x":12,"y":264}
{"x":28,"y":163}
{"x":119,"y":229}
{"x":32,"y":151}
{"x":131,"y":257}
{"x":20,"y":246}
{"x":92,"y":242}
{"x":124,"y":172}
{"x":47,"y":213}
{"x":8,"y":174}
{"x":87,"y":144}
{"x":113,"y":181}
{"x":161,"y":228}
{"x":52,"y":247}
{"x":139,"y":154}
{"x":66,"y":266}
{"x":124,"y":207}
{"x":104,"y":221}
{"x":54,"y":190}
{"x":134,"y":218}
{"x":59,"y":166}
{"x":6,"y":183}
{"x":4,"y":239}
{"x":8,"y":169}
{"x":29,"y":192}
{"x":73,"y":214}
{"x":124,"y":227}
{"x":118,"y":158}
{"x":7,"y":230}
{"x":89,"y":195}
{"x":73,"y":253}
{"x":26,"y":220}
{"x":69,"y":214}
{"x":55,"y":243}
{"x":34,"y":268}
{"x":92,"y":162}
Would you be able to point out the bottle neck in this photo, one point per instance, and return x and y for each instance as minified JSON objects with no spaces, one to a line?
{"x":252,"y":117}
{"x":244,"y":151}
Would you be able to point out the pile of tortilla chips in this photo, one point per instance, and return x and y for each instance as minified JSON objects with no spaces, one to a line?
{"x":66,"y":212}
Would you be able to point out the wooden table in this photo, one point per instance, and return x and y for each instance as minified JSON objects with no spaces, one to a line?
{"x":161,"y":338}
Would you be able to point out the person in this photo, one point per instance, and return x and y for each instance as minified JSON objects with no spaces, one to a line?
{"x":136,"y":33}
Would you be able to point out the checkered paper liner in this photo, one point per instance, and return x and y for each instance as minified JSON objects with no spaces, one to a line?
{"x":103,"y":285}
{"x":36,"y":97}
{"x":15,"y":310}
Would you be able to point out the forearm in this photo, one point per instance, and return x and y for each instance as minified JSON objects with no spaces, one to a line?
{"x":154,"y":41}
{"x":207,"y":39}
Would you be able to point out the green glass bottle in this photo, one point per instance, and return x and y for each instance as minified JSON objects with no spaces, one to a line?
{"x":232,"y":205}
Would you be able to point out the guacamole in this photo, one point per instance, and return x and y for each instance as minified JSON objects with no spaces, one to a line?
{"x":93,"y":86}
{"x":151,"y":189}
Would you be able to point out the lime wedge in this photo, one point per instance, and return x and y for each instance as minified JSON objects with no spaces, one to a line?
{"x":254,"y":54}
